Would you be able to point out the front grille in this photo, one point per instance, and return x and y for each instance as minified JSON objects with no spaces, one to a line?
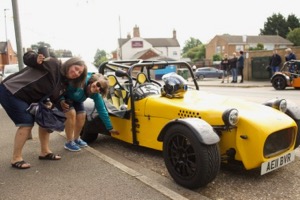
{"x":278,"y":142}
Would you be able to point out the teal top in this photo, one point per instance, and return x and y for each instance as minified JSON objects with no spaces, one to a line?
{"x":79,"y":95}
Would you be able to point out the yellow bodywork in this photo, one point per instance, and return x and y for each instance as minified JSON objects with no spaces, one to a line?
{"x":256,"y":122}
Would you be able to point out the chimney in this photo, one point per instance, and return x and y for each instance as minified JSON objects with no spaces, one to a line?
{"x":136,"y":31}
{"x":174,"y":34}
{"x":244,"y":38}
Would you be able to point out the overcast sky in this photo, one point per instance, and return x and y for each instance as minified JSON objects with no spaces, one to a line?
{"x":83,"y":26}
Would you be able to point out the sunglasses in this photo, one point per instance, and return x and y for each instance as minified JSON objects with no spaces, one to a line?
{"x":99,"y":86}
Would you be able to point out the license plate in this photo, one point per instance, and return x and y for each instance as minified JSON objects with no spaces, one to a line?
{"x":278,"y":162}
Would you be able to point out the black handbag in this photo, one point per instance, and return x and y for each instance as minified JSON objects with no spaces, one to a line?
{"x":50,"y":119}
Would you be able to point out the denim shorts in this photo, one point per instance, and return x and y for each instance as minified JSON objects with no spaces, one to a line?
{"x":15,"y":108}
{"x":78,"y":106}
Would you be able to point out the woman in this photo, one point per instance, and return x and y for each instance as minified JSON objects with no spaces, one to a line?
{"x":30,"y":85}
{"x":96,"y":88}
{"x":225,"y":68}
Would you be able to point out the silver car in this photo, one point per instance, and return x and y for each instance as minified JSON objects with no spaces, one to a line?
{"x":208,"y":72}
{"x":8,"y":70}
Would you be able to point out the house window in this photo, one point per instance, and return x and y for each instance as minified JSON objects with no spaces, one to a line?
{"x":239,"y":48}
{"x":174,"y":53}
{"x":137,"y":44}
{"x":218,"y":49}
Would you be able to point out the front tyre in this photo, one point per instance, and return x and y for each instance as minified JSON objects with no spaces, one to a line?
{"x":279,"y":83}
{"x":189,"y":162}
{"x":90,"y":130}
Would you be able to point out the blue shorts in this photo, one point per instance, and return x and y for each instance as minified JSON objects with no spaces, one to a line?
{"x":15,"y":108}
{"x":78,"y":106}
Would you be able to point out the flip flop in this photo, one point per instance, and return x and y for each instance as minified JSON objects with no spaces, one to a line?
{"x":19,"y":165}
{"x":50,"y":156}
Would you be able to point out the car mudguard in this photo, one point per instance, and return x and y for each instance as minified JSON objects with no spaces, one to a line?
{"x":287,"y":78}
{"x":203,"y":131}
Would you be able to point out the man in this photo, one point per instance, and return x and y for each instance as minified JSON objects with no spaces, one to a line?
{"x":275,"y":62}
{"x":240,"y":66}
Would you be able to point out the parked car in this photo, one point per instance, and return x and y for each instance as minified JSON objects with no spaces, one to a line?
{"x":195,"y":130}
{"x":8,"y":70}
{"x":288,"y":76}
{"x":208,"y":72}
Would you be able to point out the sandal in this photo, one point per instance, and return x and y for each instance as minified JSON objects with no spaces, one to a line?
{"x":20,"y":165}
{"x":50,"y":156}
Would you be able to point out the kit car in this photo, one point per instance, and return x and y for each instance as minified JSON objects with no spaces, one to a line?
{"x":195,"y":130}
{"x":288,"y":76}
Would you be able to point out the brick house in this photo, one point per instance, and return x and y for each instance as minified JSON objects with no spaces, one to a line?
{"x":255,"y":61}
{"x":137,"y":47}
{"x":222,"y":44}
{"x":7,"y":54}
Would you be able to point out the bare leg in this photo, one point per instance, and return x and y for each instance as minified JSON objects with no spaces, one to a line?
{"x":70,"y":124}
{"x":44,"y":137}
{"x":80,"y":120}
{"x":20,"y":139}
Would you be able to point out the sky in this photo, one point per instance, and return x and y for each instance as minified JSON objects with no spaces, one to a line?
{"x":83,"y":26}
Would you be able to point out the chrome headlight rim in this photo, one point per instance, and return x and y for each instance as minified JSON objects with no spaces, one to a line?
{"x":231,"y":117}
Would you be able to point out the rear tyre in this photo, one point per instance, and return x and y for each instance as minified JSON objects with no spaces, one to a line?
{"x":279,"y":83}
{"x":201,"y":77}
{"x":189,"y":162}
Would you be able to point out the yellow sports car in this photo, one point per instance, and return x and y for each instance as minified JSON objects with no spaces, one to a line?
{"x":152,"y":106}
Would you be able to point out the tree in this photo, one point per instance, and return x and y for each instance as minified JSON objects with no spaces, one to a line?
{"x":275,"y":25}
{"x":196,"y":53}
{"x":100,"y":56}
{"x":294,"y":36}
{"x":189,"y":44}
{"x":259,"y":46}
{"x":292,"y":22}
{"x":35,"y":47}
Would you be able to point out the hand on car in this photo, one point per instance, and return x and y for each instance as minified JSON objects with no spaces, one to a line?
{"x":113,"y":131}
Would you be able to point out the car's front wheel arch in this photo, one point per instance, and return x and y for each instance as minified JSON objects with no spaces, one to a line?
{"x":190,"y":162}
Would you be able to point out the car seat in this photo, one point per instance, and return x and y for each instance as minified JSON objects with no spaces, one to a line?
{"x":117,"y":94}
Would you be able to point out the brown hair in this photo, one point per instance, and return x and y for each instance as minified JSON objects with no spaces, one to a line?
{"x":103,"y":80}
{"x":78,"y":82}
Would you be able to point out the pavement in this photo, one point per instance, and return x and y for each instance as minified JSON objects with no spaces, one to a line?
{"x":88,"y":174}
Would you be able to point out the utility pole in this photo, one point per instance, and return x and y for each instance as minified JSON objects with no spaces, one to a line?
{"x":18,"y":33}
{"x":5,"y":23}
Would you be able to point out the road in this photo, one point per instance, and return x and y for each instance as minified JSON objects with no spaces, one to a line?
{"x":231,"y":183}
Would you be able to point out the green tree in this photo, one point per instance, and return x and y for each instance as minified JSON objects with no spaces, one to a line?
{"x":35,"y":47}
{"x":294,"y":36}
{"x":100,"y":56}
{"x":217,"y":57}
{"x":196,"y":53}
{"x":189,"y":44}
{"x":292,"y":22}
{"x":275,"y":25}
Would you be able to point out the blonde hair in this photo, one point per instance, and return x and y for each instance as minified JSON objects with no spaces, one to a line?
{"x":103,"y":80}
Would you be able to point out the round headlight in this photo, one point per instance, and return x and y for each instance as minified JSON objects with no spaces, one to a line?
{"x":282,"y":105}
{"x":231,"y":117}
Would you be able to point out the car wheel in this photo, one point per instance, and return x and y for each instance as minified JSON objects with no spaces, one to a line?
{"x":201,"y":77}
{"x":279,"y":82}
{"x":90,"y":130}
{"x":189,"y":162}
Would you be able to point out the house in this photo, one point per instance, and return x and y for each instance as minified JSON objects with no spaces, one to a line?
{"x":222,"y":44}
{"x":137,"y":47}
{"x":7,"y":54}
